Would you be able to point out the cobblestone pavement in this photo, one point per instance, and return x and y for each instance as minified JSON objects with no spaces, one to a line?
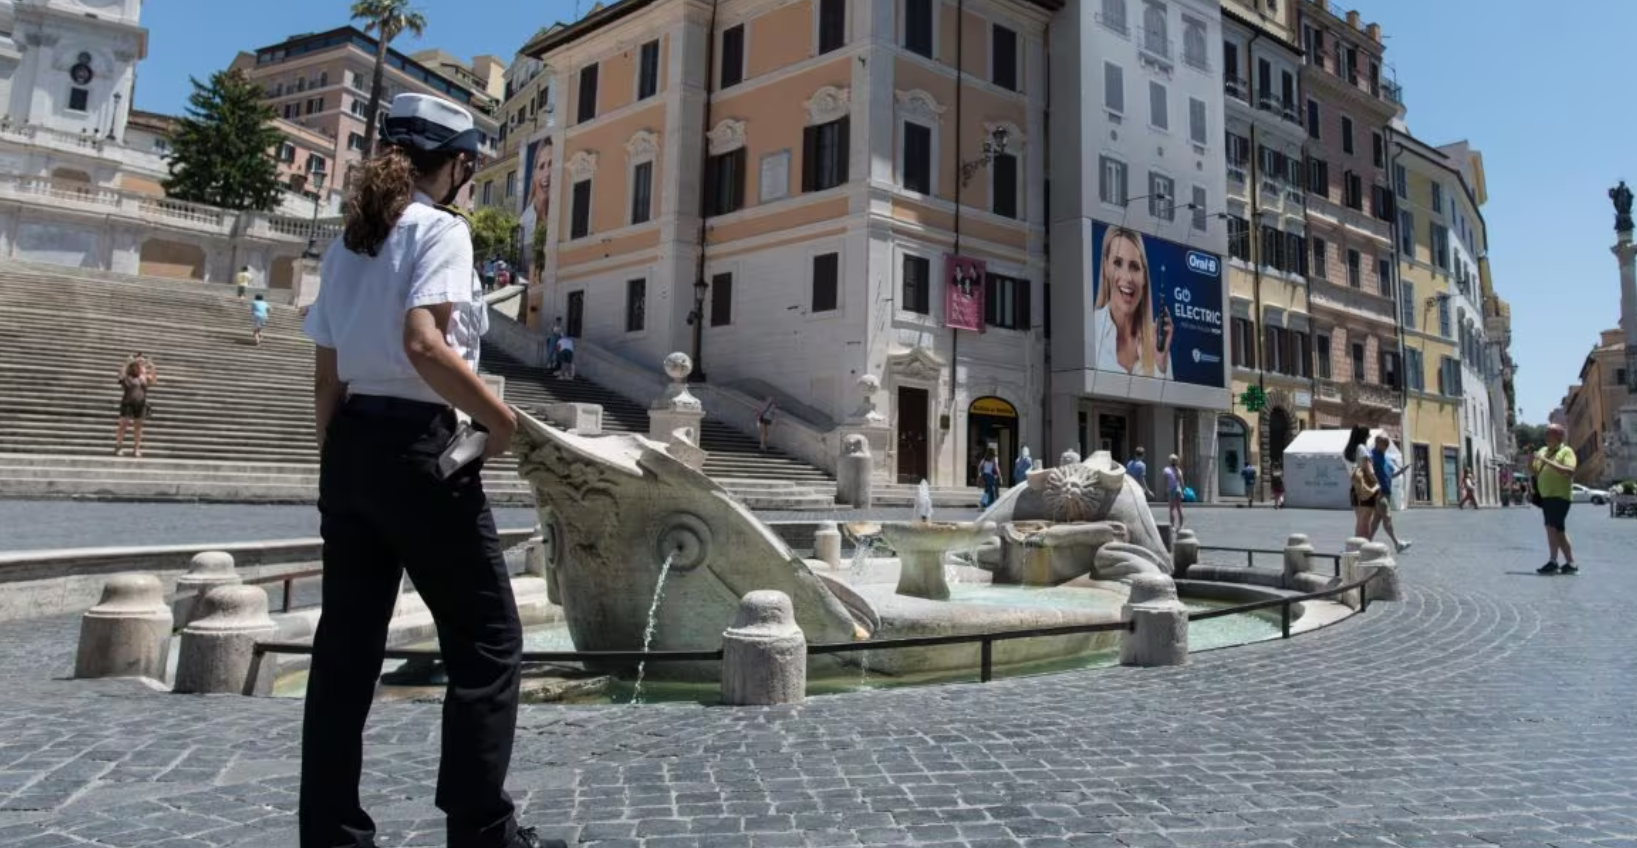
{"x":1491,"y":707}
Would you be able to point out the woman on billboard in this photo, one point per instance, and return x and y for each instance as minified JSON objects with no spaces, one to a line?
{"x":1127,"y":333}
{"x":536,"y":199}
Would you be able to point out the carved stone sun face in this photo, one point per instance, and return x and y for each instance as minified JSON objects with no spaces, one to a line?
{"x":1074,"y":493}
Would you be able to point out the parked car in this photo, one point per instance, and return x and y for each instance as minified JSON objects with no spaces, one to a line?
{"x":1583,"y":494}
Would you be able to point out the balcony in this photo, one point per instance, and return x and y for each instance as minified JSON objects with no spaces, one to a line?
{"x":1238,"y":174}
{"x":1366,"y":397}
{"x":1155,"y":49}
{"x":1236,"y":87}
{"x":1392,"y":92}
{"x":1356,"y":220}
{"x":1360,"y":301}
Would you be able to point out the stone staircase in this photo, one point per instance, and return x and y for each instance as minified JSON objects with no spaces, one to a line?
{"x":232,"y":421}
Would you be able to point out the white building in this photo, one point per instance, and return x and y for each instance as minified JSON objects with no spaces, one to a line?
{"x":1137,"y":134}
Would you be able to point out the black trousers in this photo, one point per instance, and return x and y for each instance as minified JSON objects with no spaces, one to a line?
{"x":384,"y":512}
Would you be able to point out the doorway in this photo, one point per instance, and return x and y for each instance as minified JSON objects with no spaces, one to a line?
{"x":991,"y":421}
{"x":1452,"y":473}
{"x":913,"y":408}
{"x":1113,"y":434}
{"x":1422,"y":457}
{"x":576,"y":314}
{"x":1233,"y":449}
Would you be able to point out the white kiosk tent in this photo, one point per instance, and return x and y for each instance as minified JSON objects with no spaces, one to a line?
{"x":1318,"y":477}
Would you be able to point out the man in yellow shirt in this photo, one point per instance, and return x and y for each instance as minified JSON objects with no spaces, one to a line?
{"x":242,"y":280}
{"x":1554,"y":480}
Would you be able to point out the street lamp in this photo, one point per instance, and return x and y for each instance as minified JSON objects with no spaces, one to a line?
{"x":696,"y":320}
{"x":993,"y":146}
{"x":316,"y":179}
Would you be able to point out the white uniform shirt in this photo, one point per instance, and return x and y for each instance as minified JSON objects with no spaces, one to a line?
{"x":362,"y":301}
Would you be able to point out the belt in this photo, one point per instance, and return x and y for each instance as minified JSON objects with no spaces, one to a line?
{"x":395,"y":407}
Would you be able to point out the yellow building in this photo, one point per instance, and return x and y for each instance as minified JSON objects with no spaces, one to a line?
{"x":1430,"y":299}
{"x":1592,"y":407}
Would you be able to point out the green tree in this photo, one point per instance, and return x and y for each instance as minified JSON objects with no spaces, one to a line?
{"x":493,"y":231}
{"x":388,"y":19}
{"x":222,"y":151}
{"x":1530,"y":435}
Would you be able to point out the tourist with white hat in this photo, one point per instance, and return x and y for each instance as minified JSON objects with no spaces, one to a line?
{"x":397,"y":323}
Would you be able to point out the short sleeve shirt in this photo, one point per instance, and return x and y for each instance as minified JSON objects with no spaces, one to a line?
{"x":362,"y":300}
{"x":1550,"y":482}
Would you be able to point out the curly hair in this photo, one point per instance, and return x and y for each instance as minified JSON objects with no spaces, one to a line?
{"x":382,"y":188}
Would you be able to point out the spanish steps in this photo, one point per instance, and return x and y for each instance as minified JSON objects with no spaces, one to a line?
{"x":231,"y":421}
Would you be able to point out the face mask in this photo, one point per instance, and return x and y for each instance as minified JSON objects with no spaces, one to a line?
{"x":464,"y":169}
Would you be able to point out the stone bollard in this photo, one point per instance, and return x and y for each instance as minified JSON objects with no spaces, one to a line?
{"x":1350,"y":555}
{"x":1377,"y":559}
{"x":827,"y":544}
{"x":1184,"y":553}
{"x":1160,"y":623}
{"x":855,"y":477}
{"x":217,"y":648}
{"x":764,"y":653}
{"x":128,"y":633}
{"x":205,"y":572}
{"x":1298,"y":558}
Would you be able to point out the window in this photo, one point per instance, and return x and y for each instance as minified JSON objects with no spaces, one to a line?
{"x":585,"y":105}
{"x":79,"y":99}
{"x":721,"y":300}
{"x":733,"y":56}
{"x":1320,"y":268}
{"x":1406,"y":234}
{"x":1351,"y":64}
{"x":1406,"y":304}
{"x":826,"y":281}
{"x":1113,"y":16}
{"x":1356,"y":354}
{"x":1321,"y":355}
{"x":1444,"y":328}
{"x":1273,"y":350}
{"x":1006,"y":302}
{"x":1112,"y":187}
{"x":1355,"y":269}
{"x":1353,"y":191}
{"x":1438,"y":198}
{"x":1302,"y":357}
{"x":1114,"y":88}
{"x":323,"y":79}
{"x":642,"y":192}
{"x":832,"y":34}
{"x":579,"y":220}
{"x":1378,"y":149}
{"x":1244,"y":342}
{"x":1440,"y":246}
{"x":287,"y":152}
{"x":1193,"y":44}
{"x":1159,"y":113}
{"x":488,"y":191}
{"x":511,"y":183}
{"x":1346,"y":134}
{"x":315,"y":105}
{"x":1381,"y":202}
{"x":1388,"y":369}
{"x":1196,"y":121}
{"x":725,"y":180}
{"x":1003,"y":185}
{"x":824,"y":155}
{"x":1318,"y":177}
{"x":1238,"y":238}
{"x":1401,"y":182}
{"x":1264,"y":81}
{"x":1156,"y":37}
{"x":1313,"y":120}
{"x":917,"y":176}
{"x":1238,"y":150}
{"x":1287,"y":94}
{"x":1415,"y":370}
{"x":1002,"y":57}
{"x":1201,"y":217}
{"x":918,"y":24}
{"x":917,"y":285}
{"x":1162,"y":197}
{"x":636,"y":305}
{"x":648,"y":70}
{"x":1384,"y":276}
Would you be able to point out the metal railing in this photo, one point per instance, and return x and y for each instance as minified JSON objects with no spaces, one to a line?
{"x":985,"y":641}
{"x":288,"y":579}
{"x":1250,"y":556}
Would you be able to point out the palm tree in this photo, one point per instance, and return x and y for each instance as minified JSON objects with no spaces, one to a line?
{"x":388,"y":19}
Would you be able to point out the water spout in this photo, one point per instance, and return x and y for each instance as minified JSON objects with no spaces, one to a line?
{"x":653,"y":620}
{"x":923,"y":502}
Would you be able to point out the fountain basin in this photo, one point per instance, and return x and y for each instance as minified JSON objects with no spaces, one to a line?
{"x":921,"y":546}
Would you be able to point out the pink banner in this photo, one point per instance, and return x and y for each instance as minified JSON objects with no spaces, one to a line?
{"x":963,"y":299}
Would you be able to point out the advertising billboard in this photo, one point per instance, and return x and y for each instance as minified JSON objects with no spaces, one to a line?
{"x":1157,"y":308}
{"x":538,"y":159}
{"x":963,"y":287}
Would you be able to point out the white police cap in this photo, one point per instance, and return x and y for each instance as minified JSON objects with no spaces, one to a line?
{"x":423,"y":122}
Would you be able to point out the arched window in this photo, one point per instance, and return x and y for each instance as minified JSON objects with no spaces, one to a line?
{"x":1155,"y":36}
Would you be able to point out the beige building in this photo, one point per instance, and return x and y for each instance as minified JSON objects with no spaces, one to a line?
{"x":1591,"y":410}
{"x":775,"y":188}
{"x":321,"y":82}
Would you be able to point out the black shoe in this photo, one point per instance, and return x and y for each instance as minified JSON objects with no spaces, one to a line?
{"x":1569,"y":568}
{"x":526,"y":837}
{"x":1548,"y":568}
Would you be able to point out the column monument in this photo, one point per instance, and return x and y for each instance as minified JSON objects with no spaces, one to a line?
{"x":1623,"y":447}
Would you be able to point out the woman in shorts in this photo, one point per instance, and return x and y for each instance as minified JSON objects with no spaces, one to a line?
{"x":134,"y":382}
{"x":1363,"y":489}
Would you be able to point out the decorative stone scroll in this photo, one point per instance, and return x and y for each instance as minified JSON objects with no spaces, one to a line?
{"x":582,"y":165}
{"x":643,"y":146}
{"x":916,"y":363}
{"x":727,"y":136}
{"x":828,"y":104}
{"x":919,"y":104}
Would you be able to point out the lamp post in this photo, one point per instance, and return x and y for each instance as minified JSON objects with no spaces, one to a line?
{"x":696,"y":320}
{"x":993,"y":146}
{"x":113,"y":123}
{"x":316,"y":179}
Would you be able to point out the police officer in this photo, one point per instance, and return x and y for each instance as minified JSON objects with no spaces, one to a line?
{"x":397,"y":324}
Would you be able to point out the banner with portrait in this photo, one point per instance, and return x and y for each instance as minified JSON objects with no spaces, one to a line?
{"x":535,"y":205}
{"x":1157,"y":308}
{"x":963,"y":292}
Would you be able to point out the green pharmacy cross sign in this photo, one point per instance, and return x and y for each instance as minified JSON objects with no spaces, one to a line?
{"x":1254,"y":399}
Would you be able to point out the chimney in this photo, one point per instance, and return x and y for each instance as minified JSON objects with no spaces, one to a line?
{"x":1374,"y":31}
{"x":1352,"y":19}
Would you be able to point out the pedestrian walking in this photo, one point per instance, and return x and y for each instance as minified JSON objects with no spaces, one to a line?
{"x":565,"y":357}
{"x":1249,"y":473}
{"x":1276,"y":484}
{"x":1137,"y":469}
{"x":1362,"y":489}
{"x":1173,"y":493}
{"x":1386,"y":473}
{"x":1469,"y":491}
{"x":135,"y":379}
{"x":764,"y":422}
{"x":1554,"y":467}
{"x":1021,"y":468}
{"x":397,"y":326}
{"x":259,"y":311}
{"x":241,"y":281}
{"x":989,"y":474}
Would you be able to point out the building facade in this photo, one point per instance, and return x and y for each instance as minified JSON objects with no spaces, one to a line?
{"x":321,"y":81}
{"x":1591,"y":410}
{"x":1347,"y":111}
{"x":1270,"y":314}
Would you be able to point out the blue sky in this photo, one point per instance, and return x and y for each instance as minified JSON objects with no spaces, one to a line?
{"x":1471,"y":69}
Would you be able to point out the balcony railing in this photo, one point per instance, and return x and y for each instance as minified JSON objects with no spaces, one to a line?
{"x":1155,"y":48}
{"x":1236,"y":87}
{"x":1363,"y":394}
{"x":1357,"y":300}
{"x":1354,"y":219}
{"x":1197,"y":59}
{"x":1392,"y":92}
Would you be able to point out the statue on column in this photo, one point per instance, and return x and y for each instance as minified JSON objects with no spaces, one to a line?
{"x":1622,"y":207}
